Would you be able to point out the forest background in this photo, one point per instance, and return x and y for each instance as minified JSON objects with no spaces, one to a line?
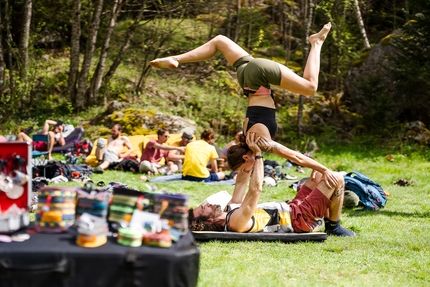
{"x":68,"y":59}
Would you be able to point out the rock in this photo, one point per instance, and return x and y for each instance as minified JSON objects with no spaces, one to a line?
{"x":115,"y":106}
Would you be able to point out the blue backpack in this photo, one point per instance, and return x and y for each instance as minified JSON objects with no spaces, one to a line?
{"x":370,"y":193}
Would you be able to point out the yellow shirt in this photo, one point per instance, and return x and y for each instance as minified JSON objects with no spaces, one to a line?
{"x":197,"y":156}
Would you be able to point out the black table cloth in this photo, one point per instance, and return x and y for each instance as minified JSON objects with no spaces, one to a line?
{"x":50,"y":260}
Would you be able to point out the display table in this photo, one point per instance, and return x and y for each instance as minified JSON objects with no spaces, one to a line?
{"x":55,"y":260}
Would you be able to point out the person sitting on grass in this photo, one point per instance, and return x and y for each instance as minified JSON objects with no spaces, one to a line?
{"x":154,"y":151}
{"x":112,"y":152}
{"x":55,"y":137}
{"x":197,"y":156}
{"x":315,"y":203}
{"x":177,"y":157}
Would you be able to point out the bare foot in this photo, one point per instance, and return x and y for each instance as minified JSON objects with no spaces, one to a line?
{"x":321,"y":35}
{"x":165,"y":63}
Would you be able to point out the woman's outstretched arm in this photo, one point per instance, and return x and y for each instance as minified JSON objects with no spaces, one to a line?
{"x":271,"y":146}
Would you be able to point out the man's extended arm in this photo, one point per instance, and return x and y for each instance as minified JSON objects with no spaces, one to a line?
{"x":240,"y":187}
{"x":174,"y":155}
{"x":168,"y":147}
{"x":128,"y":145}
{"x":240,"y":220}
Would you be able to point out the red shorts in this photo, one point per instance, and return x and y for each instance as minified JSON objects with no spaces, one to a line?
{"x":40,"y":146}
{"x":307,"y":209}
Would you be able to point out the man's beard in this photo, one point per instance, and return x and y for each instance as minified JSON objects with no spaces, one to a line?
{"x":115,"y":137}
{"x":217,"y":210}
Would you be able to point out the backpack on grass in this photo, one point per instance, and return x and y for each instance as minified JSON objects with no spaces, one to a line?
{"x":51,"y":169}
{"x":370,"y":193}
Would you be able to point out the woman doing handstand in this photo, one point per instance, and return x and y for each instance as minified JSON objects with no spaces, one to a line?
{"x":255,"y":75}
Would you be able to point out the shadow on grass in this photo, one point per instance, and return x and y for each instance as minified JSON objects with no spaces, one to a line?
{"x":360,"y":213}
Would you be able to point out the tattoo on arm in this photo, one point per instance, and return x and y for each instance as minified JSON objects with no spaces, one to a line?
{"x":338,"y":192}
{"x":266,"y":145}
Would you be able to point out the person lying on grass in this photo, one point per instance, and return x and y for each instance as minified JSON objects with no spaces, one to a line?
{"x":55,"y":137}
{"x":316,"y":202}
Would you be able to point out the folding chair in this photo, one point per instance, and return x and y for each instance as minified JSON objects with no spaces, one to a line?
{"x":39,"y":157}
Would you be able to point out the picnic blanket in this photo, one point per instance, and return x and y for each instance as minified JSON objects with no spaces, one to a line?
{"x":178,"y":177}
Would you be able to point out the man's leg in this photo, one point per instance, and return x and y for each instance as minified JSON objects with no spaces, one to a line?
{"x":171,"y":168}
{"x":332,"y":215}
{"x":104,"y":165}
{"x":46,"y":125}
{"x":100,"y":149}
{"x":23,"y":137}
{"x":231,"y":51}
{"x":51,"y":136}
{"x":146,"y":167}
{"x":308,"y":84}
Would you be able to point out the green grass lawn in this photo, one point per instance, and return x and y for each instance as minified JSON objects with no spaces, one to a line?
{"x":392,"y":248}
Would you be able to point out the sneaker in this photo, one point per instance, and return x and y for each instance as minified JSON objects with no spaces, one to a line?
{"x":59,"y":179}
{"x":98,"y":170}
{"x":289,"y":177}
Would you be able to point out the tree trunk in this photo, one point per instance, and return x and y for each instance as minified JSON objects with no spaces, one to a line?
{"x":361,"y":25}
{"x":2,"y":63}
{"x":249,"y":42}
{"x":228,"y":28}
{"x":124,"y":47}
{"x":236,"y":33}
{"x":98,"y":74}
{"x":74,"y":51}
{"x":10,"y":48}
{"x":25,"y":38}
{"x":145,"y":70}
{"x":308,"y":21}
{"x":81,"y":98}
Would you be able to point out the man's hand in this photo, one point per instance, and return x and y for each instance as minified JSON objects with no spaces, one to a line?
{"x":181,"y":149}
{"x":252,"y":140}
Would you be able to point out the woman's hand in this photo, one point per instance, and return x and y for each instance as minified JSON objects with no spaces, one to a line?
{"x":327,"y":176}
{"x":251,"y":141}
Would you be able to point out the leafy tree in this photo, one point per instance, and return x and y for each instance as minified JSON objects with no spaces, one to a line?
{"x":411,"y":69}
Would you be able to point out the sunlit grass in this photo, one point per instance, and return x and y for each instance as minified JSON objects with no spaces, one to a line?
{"x":391,"y":249}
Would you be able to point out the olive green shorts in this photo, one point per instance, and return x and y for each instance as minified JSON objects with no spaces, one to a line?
{"x":256,"y":72}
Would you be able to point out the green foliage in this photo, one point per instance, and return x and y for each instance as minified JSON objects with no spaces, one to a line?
{"x":411,"y":69}
{"x":380,"y":105}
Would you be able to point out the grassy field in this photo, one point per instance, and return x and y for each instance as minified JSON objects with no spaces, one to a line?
{"x":392,"y":248}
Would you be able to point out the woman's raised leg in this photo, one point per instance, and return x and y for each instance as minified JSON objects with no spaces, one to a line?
{"x":231,"y":51}
{"x":308,"y":84}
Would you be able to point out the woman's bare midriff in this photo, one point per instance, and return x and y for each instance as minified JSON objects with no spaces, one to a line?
{"x":262,"y":101}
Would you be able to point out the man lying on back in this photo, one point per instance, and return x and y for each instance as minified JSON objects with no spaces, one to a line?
{"x":317,"y":202}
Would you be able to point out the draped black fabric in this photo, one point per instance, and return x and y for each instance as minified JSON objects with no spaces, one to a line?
{"x":55,"y":260}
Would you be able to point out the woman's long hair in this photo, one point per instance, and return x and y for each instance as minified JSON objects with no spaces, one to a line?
{"x":236,"y":152}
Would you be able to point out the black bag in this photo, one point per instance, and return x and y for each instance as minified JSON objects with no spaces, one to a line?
{"x":128,"y":165}
{"x":54,"y":168}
